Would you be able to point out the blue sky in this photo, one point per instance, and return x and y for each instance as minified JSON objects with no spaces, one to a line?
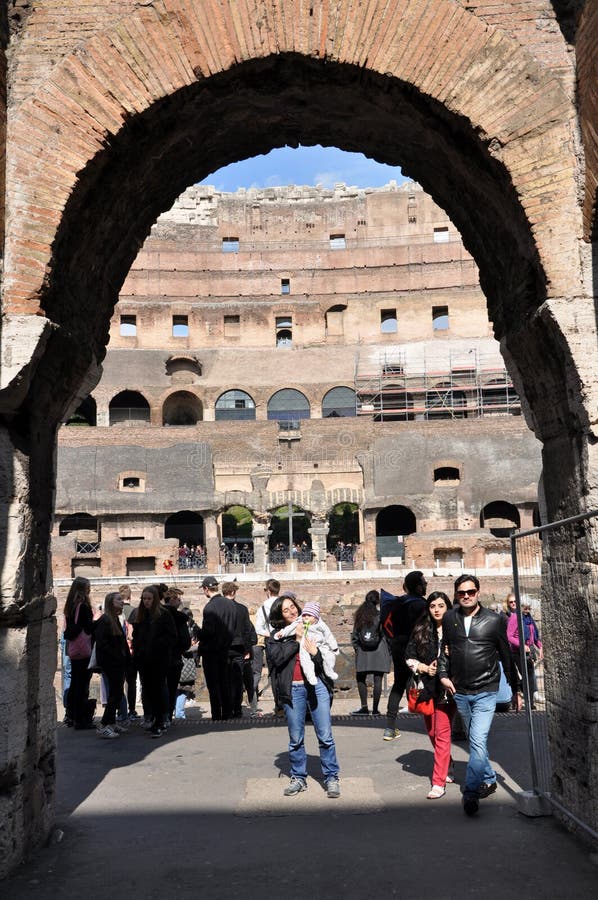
{"x":305,"y":165}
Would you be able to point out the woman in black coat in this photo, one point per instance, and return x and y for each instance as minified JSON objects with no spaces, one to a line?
{"x":155,"y":643}
{"x":78,"y":617}
{"x":372,"y":656}
{"x":112,"y":657}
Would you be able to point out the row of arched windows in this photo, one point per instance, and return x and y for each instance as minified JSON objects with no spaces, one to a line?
{"x":184,"y":408}
{"x":499,"y":517}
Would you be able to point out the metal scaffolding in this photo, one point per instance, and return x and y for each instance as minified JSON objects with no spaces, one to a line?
{"x":390,"y":388}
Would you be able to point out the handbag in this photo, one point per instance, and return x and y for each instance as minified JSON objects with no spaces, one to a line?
{"x":93,"y":660}
{"x":415,"y":705}
{"x":80,"y":647}
{"x":188,"y":671}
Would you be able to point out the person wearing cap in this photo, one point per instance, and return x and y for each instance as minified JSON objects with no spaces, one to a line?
{"x":293,"y":691}
{"x":216,"y":637}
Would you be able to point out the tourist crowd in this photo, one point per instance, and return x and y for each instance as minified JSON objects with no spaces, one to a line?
{"x":456,"y":660}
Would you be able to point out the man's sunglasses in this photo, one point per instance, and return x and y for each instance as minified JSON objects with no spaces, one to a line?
{"x":470,"y":593}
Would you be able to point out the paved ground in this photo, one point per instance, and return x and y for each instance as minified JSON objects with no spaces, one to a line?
{"x":200,"y":813}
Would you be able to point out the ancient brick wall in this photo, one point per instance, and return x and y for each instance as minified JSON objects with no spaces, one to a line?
{"x":587,"y":80}
{"x":108,"y":106}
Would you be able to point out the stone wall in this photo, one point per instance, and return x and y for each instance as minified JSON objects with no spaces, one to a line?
{"x":108,"y":107}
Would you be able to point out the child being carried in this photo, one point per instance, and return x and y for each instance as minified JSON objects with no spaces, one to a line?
{"x":318,"y":632}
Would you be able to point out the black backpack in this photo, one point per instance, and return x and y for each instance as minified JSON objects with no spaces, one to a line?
{"x":369,"y":636}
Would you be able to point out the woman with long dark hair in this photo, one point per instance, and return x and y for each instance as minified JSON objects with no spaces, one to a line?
{"x":112,"y":656}
{"x":296,"y":695}
{"x":154,"y":647}
{"x":78,"y":616}
{"x":372,"y":656}
{"x":421,"y":656}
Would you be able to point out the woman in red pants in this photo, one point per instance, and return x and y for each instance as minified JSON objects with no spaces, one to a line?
{"x":421,"y":656}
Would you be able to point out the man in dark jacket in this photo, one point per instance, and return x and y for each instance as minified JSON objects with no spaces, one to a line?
{"x":398,"y":616}
{"x":216,"y":636}
{"x":239,"y":654}
{"x":474,"y":639}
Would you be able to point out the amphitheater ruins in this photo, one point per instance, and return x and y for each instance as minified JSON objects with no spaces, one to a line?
{"x":109,"y":111}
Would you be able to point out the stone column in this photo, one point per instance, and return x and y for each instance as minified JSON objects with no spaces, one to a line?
{"x":28,"y":644}
{"x":260,"y":531}
{"x":211,"y":541}
{"x":369,"y":538}
{"x":319,"y":533}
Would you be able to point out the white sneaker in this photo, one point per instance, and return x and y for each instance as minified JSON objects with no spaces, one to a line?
{"x":108,"y":732}
{"x":122,"y":727}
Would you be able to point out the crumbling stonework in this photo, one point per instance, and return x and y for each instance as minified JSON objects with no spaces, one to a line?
{"x":113,"y":108}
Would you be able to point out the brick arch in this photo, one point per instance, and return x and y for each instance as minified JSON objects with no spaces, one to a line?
{"x":118,"y":130}
{"x":587,"y":77}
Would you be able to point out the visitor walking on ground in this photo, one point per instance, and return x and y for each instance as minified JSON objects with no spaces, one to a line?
{"x":372,"y":656}
{"x":154,"y":646}
{"x":296,"y":695}
{"x":216,"y":636}
{"x":239,"y":654}
{"x":532,"y":647}
{"x":514,"y":675}
{"x":78,"y":616}
{"x":423,"y":650}
{"x":112,"y":657}
{"x":172,"y":601}
{"x":474,"y":640}
{"x":399,"y":615}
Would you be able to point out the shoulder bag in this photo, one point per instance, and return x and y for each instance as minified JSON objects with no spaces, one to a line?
{"x":415,"y":704}
{"x":80,"y":647}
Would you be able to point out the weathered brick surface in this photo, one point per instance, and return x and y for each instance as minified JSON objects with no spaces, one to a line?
{"x":587,"y":80}
{"x":114,"y":107}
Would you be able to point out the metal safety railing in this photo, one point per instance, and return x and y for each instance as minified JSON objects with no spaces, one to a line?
{"x":537,"y":569}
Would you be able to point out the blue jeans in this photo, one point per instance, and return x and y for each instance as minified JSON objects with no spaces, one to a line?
{"x":179,"y":707}
{"x":477,"y":712}
{"x":317,"y":699}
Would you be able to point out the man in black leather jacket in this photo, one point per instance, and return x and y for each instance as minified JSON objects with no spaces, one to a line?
{"x":474,"y":639}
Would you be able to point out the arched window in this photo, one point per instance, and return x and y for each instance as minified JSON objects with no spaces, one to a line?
{"x":340,"y":401}
{"x":129,"y":406}
{"x":235,"y":405}
{"x":394,"y":404}
{"x":334,"y":320}
{"x":392,"y":524}
{"x":300,"y":547}
{"x":85,"y":414}
{"x":186,"y":527}
{"x":499,"y":397}
{"x":445,"y":403}
{"x":288,"y":405}
{"x":79,"y":522}
{"x":183,"y":368}
{"x":237,"y":538}
{"x":500,"y":517}
{"x":182,"y":408}
{"x":343,"y":533}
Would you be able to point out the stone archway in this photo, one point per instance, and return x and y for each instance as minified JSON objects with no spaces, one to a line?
{"x":149,"y":103}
